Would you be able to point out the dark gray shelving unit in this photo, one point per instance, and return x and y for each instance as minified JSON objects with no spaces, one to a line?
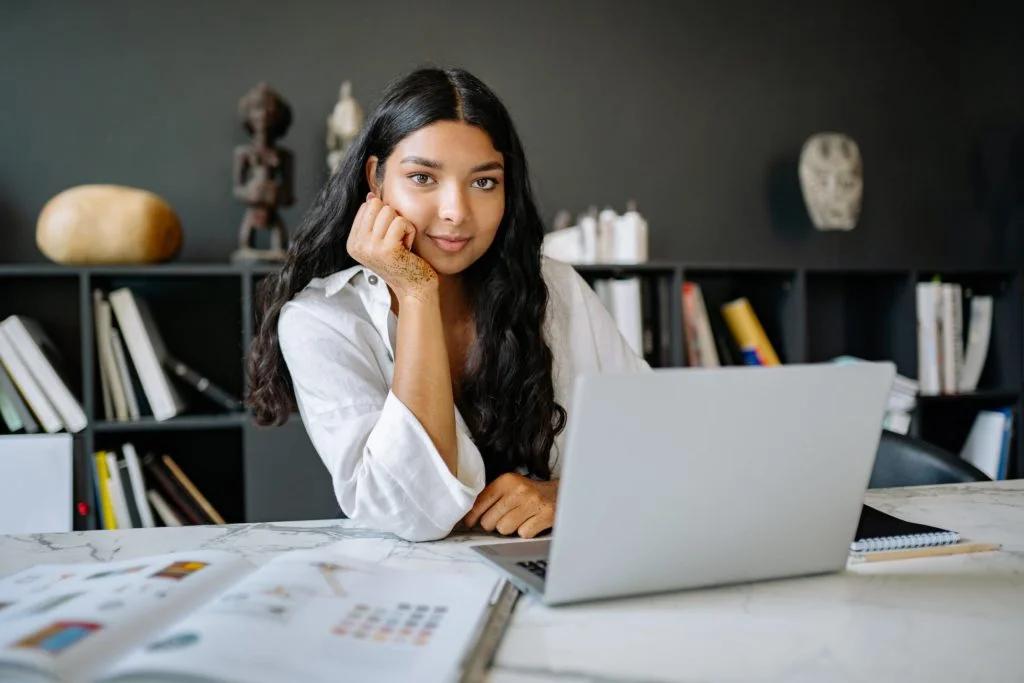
{"x":206,"y":314}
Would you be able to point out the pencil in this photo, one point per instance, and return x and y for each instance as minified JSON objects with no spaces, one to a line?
{"x":934,"y":551}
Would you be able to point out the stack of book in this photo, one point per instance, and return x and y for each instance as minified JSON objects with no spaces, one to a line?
{"x":902,"y":400}
{"x":946,"y":364}
{"x":135,"y":365}
{"x":735,"y":337}
{"x":128,"y":491}
{"x":34,"y":391}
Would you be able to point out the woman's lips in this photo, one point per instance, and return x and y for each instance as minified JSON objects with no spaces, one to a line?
{"x":449,"y":244}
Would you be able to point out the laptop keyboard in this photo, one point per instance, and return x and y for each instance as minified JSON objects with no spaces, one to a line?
{"x":538,"y":567}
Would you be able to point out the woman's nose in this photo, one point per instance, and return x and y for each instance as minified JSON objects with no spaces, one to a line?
{"x":453,"y":207}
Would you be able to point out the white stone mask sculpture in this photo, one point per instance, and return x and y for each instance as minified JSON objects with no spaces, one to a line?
{"x":831,"y":178}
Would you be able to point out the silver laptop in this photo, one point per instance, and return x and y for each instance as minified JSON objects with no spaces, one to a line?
{"x":685,"y":477}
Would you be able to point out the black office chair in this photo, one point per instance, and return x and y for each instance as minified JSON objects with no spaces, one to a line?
{"x":905,"y":461}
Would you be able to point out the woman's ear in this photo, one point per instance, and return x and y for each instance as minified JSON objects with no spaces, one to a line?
{"x":371,"y":175}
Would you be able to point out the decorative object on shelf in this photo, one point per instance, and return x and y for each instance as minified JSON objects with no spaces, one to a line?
{"x":599,"y":237}
{"x":343,"y":126}
{"x":263,"y":173}
{"x":107,"y":225}
{"x":831,"y":178}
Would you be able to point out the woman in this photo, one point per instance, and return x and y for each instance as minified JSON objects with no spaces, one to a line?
{"x":427,"y":346}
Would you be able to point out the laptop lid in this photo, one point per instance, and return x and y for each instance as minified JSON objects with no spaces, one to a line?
{"x":689,"y":477}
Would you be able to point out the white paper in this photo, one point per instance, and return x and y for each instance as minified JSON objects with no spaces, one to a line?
{"x":74,"y":620}
{"x":318,"y":616}
{"x":35,"y":483}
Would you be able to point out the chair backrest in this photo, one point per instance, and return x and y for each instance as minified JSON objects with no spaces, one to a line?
{"x":904,"y":461}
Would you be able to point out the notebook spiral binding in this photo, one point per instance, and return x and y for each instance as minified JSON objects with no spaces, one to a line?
{"x":907,"y":541}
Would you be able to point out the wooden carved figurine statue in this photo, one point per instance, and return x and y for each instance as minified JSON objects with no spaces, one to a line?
{"x":263,"y":173}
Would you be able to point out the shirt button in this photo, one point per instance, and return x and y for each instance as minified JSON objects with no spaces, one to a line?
{"x":372,"y":279}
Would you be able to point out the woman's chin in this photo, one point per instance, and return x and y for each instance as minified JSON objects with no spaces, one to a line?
{"x":448,"y":264}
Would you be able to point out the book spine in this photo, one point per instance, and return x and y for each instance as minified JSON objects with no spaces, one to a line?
{"x":176,"y":495}
{"x":749,"y":334}
{"x":194,"y":492}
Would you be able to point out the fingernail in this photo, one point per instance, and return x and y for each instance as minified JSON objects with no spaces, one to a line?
{"x":369,"y":196}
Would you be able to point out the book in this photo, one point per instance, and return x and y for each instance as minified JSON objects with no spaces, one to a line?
{"x":147,"y":350}
{"x":43,"y":360}
{"x":30,"y":390}
{"x":210,"y":616}
{"x":880,"y":531}
{"x":927,"y":296}
{"x":36,"y":484}
{"x":750,"y":336}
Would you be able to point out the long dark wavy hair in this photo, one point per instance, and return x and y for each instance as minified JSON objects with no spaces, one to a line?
{"x":507,"y":394}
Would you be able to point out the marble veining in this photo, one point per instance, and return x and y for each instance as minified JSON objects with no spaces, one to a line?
{"x":957,"y":618}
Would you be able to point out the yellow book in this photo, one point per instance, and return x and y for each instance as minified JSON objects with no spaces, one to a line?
{"x":109,"y":521}
{"x":747,"y":330}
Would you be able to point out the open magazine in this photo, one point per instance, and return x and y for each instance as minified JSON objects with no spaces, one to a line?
{"x":209,"y":615}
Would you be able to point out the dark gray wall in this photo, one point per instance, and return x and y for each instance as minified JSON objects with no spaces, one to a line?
{"x":697,"y":110}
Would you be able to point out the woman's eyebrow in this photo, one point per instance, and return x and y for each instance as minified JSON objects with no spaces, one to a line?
{"x":420,"y":161}
{"x":430,"y":163}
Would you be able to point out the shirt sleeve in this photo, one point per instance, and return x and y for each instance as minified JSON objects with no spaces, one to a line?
{"x":385,"y":469}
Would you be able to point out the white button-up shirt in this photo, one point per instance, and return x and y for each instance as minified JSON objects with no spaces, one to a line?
{"x":338,"y":336}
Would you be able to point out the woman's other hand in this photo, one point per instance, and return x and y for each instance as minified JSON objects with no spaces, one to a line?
{"x":513,"y":504}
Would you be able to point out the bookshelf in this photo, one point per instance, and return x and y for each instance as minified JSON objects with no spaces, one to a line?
{"x":206,"y":315}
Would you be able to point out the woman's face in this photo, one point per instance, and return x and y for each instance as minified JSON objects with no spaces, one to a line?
{"x":447,"y":180}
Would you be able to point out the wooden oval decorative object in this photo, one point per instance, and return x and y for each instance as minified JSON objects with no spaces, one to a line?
{"x":106,"y":225}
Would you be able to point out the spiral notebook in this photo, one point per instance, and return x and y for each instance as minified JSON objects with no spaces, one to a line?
{"x":878,"y":530}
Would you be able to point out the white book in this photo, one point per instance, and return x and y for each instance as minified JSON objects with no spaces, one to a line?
{"x":108,"y":362}
{"x":978,"y":337}
{"x":35,"y":484}
{"x":947,"y":339}
{"x":627,"y":311}
{"x":39,"y":356}
{"x":147,"y":351}
{"x":314,"y":616}
{"x":131,"y":459}
{"x":163,"y":510}
{"x":105,"y":378}
{"x":928,"y":338}
{"x":984,"y":445}
{"x":124,"y":373}
{"x":30,"y":390}
{"x":957,"y":294}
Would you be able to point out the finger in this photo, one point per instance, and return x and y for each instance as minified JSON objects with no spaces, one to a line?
{"x":382,"y":221}
{"x":488,"y":497}
{"x":502,"y":507}
{"x":373,"y":207}
{"x":534,"y":525}
{"x":400,"y":231}
{"x":357,"y":223}
{"x":513,"y":519}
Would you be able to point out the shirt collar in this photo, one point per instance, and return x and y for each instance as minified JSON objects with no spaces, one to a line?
{"x":336,"y":282}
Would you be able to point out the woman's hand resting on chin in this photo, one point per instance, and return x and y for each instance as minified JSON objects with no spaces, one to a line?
{"x":381,"y":240}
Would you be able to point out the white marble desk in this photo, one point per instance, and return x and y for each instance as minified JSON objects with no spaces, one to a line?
{"x":956,"y":618}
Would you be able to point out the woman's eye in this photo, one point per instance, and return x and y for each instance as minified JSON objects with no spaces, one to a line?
{"x":485,"y":183}
{"x":420,"y":178}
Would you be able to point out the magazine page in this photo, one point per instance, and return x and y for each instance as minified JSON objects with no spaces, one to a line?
{"x":72,"y":620}
{"x":314,"y":615}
